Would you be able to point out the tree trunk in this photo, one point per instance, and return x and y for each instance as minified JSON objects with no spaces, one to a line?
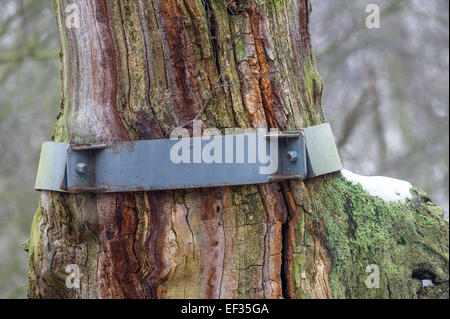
{"x":137,"y":68}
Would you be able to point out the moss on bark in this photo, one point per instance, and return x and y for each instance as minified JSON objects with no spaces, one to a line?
{"x":408,"y":241}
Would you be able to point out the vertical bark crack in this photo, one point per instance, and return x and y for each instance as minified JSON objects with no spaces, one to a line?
{"x":212,"y":26}
{"x":284,"y":263}
{"x":286,"y":249}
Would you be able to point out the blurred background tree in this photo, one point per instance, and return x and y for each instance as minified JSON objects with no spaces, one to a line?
{"x":386,"y":90}
{"x":29,"y":94}
{"x":385,"y":93}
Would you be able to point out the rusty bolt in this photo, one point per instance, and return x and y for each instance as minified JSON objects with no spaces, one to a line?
{"x":292,"y":156}
{"x":81,"y":168}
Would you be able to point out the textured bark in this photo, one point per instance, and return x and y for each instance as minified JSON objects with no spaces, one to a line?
{"x":136,"y":69}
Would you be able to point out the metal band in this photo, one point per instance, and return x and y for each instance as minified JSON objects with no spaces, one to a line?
{"x":150,"y":165}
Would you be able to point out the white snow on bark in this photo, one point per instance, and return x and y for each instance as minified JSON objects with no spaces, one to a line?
{"x":389,"y":189}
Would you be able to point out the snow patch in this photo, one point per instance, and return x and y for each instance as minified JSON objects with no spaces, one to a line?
{"x":389,"y":189}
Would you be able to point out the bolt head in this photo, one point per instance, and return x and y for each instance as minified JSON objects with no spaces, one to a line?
{"x":82,"y":168}
{"x":292,"y":156}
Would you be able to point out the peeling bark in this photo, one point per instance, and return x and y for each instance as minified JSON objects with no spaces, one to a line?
{"x":136,"y":69}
